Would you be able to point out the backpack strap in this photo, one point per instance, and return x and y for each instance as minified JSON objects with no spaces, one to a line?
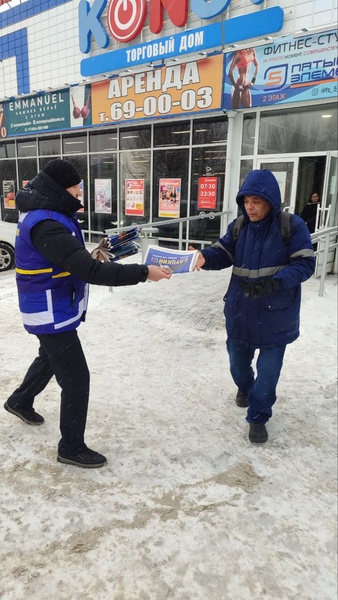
{"x":237,"y":227}
{"x":285,"y":226}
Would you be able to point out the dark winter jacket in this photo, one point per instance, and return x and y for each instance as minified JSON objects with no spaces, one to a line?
{"x":260,"y":253}
{"x":309,"y":215}
{"x":61,"y":249}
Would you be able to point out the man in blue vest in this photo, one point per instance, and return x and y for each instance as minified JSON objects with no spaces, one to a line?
{"x":262,"y":303}
{"x":53,"y":270}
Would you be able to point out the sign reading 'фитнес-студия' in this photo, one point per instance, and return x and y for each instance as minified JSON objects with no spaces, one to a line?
{"x":126,"y":18}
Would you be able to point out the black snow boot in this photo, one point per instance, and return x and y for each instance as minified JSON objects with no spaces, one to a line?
{"x":258,"y":433}
{"x":83,"y":457}
{"x":242,"y":399}
{"x":28,"y":415}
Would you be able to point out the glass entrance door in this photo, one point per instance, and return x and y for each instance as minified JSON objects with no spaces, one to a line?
{"x":329,"y":212}
{"x":285,"y":172}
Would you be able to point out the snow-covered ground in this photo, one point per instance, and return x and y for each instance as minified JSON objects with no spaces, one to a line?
{"x":187,"y":508}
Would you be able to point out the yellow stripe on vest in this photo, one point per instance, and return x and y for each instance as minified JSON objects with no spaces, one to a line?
{"x":33,"y":272}
{"x":64,"y":274}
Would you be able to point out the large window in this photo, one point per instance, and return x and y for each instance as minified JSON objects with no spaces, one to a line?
{"x":8,"y":182}
{"x":298,"y":130}
{"x":210,"y":131}
{"x":100,"y":141}
{"x":27,"y":168}
{"x":27,"y":148}
{"x":137,"y":138}
{"x":135,"y":169}
{"x":103,"y":192}
{"x":74,"y":144}
{"x":172,"y":134}
{"x":128,"y":171}
{"x":248,"y":138}
{"x":7,"y":149}
{"x":50,"y":146}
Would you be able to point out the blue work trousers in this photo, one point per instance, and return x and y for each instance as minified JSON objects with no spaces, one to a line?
{"x":262,"y":389}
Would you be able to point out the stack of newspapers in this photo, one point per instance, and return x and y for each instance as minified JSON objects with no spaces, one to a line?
{"x":118,"y":246}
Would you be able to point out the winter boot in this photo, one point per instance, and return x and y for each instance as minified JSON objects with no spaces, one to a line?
{"x":258,"y":433}
{"x":83,"y":457}
{"x":242,"y":399}
{"x":28,"y":415}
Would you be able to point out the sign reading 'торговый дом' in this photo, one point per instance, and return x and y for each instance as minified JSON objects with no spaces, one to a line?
{"x":126,"y":18}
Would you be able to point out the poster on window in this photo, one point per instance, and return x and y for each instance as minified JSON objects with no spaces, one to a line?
{"x":207,"y":193}
{"x":9,"y":194}
{"x":281,"y":178}
{"x":81,"y":198}
{"x":134,"y":197}
{"x":103,"y":198}
{"x":169,"y":198}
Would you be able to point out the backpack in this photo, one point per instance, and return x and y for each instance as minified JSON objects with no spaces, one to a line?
{"x":284,"y":224}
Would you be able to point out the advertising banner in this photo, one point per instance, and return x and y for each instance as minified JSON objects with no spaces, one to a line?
{"x":38,"y":114}
{"x":134,"y":197}
{"x":9,"y":194}
{"x":207,"y":193}
{"x":103,"y":198}
{"x":287,"y":70}
{"x":48,"y":111}
{"x":172,"y":90}
{"x":169,"y":198}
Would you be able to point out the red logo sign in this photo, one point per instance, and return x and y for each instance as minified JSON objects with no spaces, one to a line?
{"x":125,"y":18}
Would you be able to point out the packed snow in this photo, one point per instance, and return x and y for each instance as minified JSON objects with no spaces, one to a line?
{"x":186,"y":508}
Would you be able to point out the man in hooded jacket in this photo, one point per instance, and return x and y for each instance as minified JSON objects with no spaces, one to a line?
{"x":262,"y":303}
{"x":53,"y":270}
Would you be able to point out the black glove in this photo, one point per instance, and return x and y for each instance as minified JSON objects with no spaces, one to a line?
{"x":258,"y":289}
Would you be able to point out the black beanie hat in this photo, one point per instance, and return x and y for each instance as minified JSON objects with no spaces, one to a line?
{"x":62,"y":172}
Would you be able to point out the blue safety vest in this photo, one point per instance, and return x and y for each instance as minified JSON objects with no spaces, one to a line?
{"x":50,"y":300}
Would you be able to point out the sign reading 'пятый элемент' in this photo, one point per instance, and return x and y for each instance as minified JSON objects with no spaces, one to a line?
{"x":125,"y":20}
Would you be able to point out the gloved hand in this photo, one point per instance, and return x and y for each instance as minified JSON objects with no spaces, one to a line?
{"x":258,"y":289}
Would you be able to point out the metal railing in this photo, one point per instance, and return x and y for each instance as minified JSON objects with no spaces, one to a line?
{"x":156,"y":224}
{"x":327,"y":241}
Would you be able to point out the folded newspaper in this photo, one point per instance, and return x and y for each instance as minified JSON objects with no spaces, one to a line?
{"x":179,"y":261}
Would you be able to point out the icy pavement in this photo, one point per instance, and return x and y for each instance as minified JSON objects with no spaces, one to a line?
{"x":187,"y":508}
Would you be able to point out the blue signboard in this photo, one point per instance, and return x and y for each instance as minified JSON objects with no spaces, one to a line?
{"x":209,"y":37}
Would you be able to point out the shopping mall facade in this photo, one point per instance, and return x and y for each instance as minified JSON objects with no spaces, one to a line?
{"x":164,"y":106}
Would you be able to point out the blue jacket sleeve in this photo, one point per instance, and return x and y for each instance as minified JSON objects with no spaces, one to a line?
{"x":221,"y":254}
{"x":301,"y":256}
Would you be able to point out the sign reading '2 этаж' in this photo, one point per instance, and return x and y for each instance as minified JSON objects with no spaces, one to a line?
{"x":192,"y":87}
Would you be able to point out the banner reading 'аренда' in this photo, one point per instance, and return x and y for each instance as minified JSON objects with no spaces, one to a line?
{"x":185,"y":88}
